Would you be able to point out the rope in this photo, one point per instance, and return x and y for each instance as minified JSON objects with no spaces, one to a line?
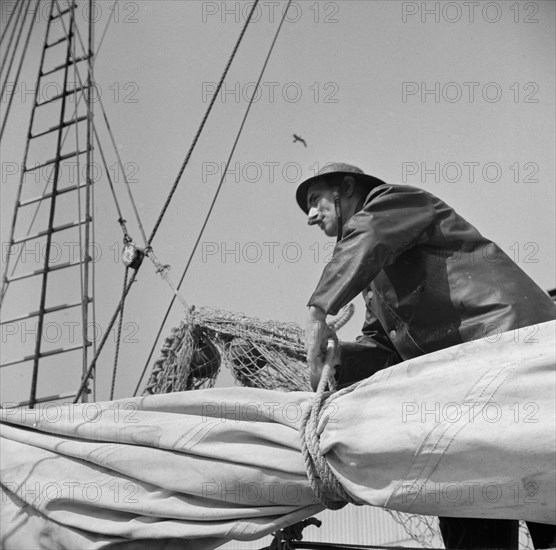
{"x":324,"y":484}
{"x":89,"y":372}
{"x":84,"y":251}
{"x":110,"y":183}
{"x":5,"y":32}
{"x":120,"y":164}
{"x":110,"y":17}
{"x":20,"y":33}
{"x":7,"y":111}
{"x":162,"y":270}
{"x":118,"y":338}
{"x":21,"y":10}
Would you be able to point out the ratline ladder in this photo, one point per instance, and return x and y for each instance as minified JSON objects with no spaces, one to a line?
{"x":58,"y":159}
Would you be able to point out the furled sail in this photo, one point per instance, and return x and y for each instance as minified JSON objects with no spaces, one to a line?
{"x":468,"y":431}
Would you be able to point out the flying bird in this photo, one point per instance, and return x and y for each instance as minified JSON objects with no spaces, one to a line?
{"x":299,"y":138}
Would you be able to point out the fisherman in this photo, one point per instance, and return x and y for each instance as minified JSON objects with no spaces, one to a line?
{"x":429,"y":279}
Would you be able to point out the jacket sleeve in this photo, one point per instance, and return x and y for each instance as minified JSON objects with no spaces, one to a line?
{"x":372,"y":351}
{"x":393,"y":219}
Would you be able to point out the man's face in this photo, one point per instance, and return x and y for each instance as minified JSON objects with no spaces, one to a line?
{"x":322,"y":211}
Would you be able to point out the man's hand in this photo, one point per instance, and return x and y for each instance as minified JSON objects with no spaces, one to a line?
{"x":316,"y":339}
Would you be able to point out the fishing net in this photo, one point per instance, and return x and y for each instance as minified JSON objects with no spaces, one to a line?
{"x":261,"y":354}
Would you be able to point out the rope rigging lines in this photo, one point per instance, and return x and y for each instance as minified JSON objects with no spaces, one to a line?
{"x":149,"y":251}
{"x":211,"y":207}
{"x":20,"y":64}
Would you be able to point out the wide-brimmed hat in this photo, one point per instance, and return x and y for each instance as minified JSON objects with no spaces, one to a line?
{"x":334,"y":169}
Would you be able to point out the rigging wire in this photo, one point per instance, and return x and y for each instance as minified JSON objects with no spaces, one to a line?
{"x":93,"y":287}
{"x":8,"y":107}
{"x":105,"y":29}
{"x":110,"y":183}
{"x":119,"y":160}
{"x":3,"y":35}
{"x":256,"y":87}
{"x":173,"y":189}
{"x":13,"y":54}
{"x":128,"y":187}
{"x":92,"y":365}
{"x":118,"y":341}
{"x":83,"y":250}
{"x":16,"y":22}
{"x":79,"y":205}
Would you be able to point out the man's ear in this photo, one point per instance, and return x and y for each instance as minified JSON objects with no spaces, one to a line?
{"x":348,"y":186}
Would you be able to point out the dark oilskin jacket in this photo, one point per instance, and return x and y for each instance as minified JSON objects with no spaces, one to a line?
{"x":430,"y":280}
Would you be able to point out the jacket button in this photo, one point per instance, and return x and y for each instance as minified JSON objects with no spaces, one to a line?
{"x":392,"y":334}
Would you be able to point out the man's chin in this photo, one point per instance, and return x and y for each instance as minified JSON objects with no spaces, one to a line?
{"x":329,"y":232}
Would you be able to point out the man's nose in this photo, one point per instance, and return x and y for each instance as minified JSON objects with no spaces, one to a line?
{"x":313,"y":218}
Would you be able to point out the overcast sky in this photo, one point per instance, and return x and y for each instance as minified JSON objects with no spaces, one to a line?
{"x":457,"y":98}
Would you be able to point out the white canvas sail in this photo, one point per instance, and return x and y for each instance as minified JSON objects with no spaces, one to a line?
{"x":468,"y":431}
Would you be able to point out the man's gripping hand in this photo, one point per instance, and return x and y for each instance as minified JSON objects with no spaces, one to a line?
{"x":316,"y":339}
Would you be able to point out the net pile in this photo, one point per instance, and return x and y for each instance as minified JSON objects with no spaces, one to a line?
{"x":260,"y":354}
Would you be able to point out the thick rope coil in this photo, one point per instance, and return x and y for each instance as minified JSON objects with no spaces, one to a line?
{"x":324,"y":484}
{"x":326,"y":487}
